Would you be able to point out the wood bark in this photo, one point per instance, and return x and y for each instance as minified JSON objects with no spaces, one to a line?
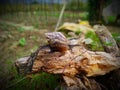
{"x":80,"y":68}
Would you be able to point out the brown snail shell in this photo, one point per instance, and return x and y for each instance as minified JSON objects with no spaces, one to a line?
{"x":57,"y":41}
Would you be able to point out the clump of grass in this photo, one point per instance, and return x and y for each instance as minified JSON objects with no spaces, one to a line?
{"x":45,"y":81}
{"x":42,"y":81}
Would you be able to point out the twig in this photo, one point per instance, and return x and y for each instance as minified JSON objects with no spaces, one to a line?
{"x":60,"y":17}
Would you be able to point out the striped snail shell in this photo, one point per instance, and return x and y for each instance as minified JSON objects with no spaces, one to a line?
{"x":57,"y":41}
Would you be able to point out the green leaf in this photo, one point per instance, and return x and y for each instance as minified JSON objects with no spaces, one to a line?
{"x":22,"y":42}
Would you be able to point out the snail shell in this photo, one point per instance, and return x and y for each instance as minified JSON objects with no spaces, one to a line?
{"x":57,"y":41}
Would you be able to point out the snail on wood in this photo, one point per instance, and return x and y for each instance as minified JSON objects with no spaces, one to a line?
{"x":57,"y":41}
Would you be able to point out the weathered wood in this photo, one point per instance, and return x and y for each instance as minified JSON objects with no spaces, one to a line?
{"x":77,"y":60}
{"x":107,"y":40}
{"x":24,"y":65}
{"x":81,"y":83}
{"x":21,"y":65}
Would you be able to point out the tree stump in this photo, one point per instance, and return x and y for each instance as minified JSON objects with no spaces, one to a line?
{"x":81,"y":69}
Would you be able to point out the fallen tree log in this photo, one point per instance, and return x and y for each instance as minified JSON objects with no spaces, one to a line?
{"x":109,"y":44}
{"x":75,"y":61}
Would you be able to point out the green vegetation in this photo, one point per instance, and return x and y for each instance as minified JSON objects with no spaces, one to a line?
{"x":42,"y":81}
{"x":116,"y":36}
{"x":95,"y":44}
{"x":22,"y":42}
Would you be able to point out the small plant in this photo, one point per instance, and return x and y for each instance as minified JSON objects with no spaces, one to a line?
{"x":22,"y":42}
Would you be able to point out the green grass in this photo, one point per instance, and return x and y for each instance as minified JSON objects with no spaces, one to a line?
{"x":42,"y":81}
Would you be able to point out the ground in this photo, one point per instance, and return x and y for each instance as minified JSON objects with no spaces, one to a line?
{"x":21,"y":34}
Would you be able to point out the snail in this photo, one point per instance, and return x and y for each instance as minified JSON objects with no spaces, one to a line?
{"x":57,"y":41}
